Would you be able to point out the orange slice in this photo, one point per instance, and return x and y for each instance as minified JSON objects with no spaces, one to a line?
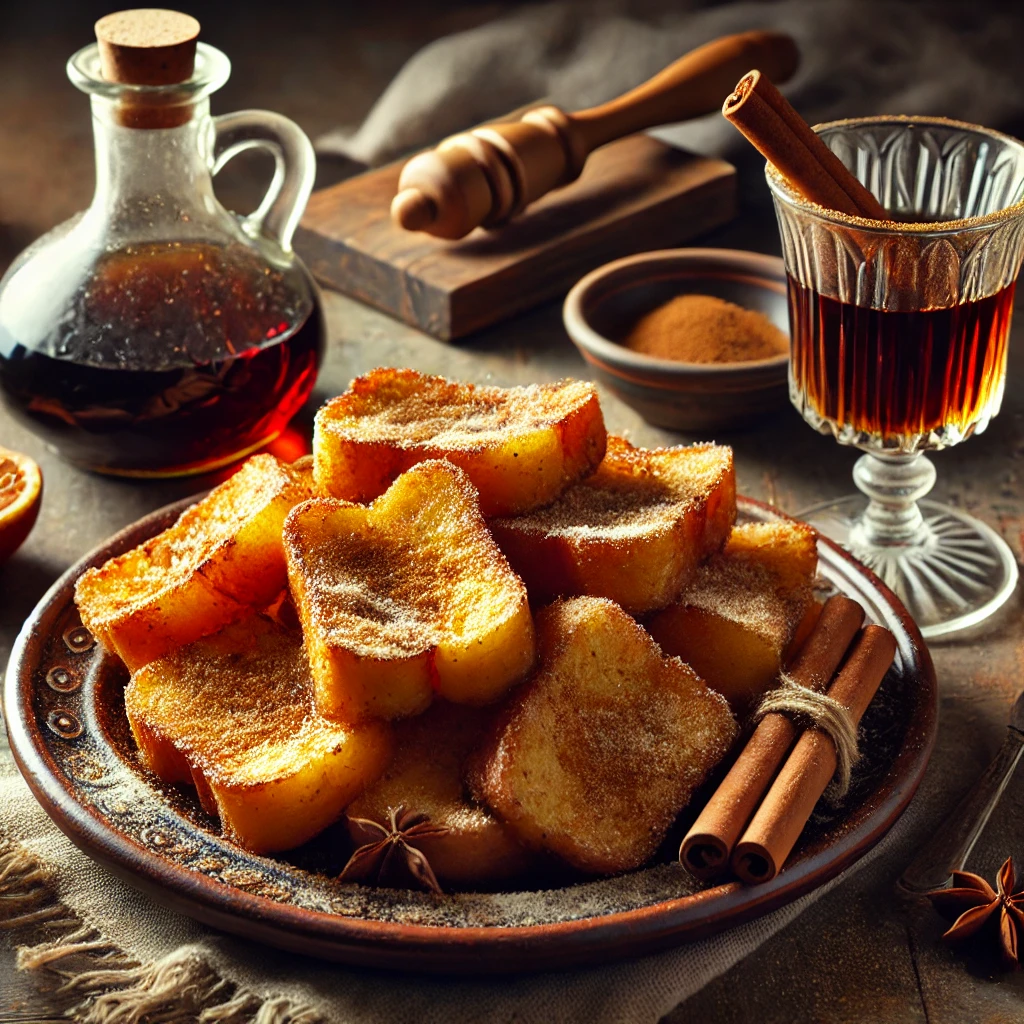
{"x":21,"y":487}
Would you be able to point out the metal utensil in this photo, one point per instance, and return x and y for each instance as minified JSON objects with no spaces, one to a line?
{"x":947,"y":851}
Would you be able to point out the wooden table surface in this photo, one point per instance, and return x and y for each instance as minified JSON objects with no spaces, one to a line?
{"x":859,"y":954}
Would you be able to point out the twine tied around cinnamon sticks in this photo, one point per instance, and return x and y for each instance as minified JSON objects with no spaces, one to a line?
{"x":753,"y":820}
{"x":818,"y":711}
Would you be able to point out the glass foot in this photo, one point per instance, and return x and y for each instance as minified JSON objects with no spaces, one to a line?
{"x":953,"y":575}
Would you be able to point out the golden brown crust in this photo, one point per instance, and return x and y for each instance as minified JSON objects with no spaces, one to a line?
{"x":224,"y":554}
{"x":737,"y":617}
{"x":405,"y":597}
{"x":634,"y":531}
{"x":520,"y":446}
{"x":595,"y":757}
{"x":762,"y":578}
{"x":426,"y":776}
{"x":787,"y":548}
{"x":233,"y":714}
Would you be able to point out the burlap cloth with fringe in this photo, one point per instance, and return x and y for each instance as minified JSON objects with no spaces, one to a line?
{"x":128,"y":959}
{"x":131,"y":960}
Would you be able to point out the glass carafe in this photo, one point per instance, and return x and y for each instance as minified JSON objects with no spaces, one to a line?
{"x":157,"y":334}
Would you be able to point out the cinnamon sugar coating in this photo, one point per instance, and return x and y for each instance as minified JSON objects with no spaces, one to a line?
{"x":519,"y":446}
{"x":599,"y":752}
{"x":426,"y":776}
{"x":737,"y":618}
{"x":633,"y":531}
{"x":224,"y":554}
{"x":407,"y":596}
{"x":233,"y":715}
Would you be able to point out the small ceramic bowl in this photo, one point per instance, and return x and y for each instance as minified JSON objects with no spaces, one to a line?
{"x":603,"y":306}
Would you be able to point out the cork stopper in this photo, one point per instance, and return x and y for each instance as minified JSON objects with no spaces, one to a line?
{"x":148,"y":46}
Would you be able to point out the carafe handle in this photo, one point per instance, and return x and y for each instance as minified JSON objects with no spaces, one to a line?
{"x":295,"y":168}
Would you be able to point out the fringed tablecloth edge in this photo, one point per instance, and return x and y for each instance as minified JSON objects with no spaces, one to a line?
{"x":104,"y":983}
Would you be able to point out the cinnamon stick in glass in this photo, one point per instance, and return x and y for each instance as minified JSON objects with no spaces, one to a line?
{"x":785,"y":139}
{"x":774,"y":829}
{"x":707,"y":847}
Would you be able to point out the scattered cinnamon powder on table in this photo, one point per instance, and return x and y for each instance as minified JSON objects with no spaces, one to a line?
{"x":704,"y":329}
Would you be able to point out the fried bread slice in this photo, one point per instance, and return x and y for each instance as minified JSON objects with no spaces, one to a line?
{"x":426,"y":775}
{"x":406,"y":596}
{"x":233,"y":714}
{"x":224,"y":554}
{"x":736,"y":620}
{"x":520,"y":446}
{"x":633,"y":531}
{"x":598,"y":753}
{"x":787,"y":547}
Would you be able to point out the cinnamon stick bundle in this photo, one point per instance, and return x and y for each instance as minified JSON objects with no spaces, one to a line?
{"x":785,"y":139}
{"x":708,"y":845}
{"x":772,"y":833}
{"x":771,"y":811}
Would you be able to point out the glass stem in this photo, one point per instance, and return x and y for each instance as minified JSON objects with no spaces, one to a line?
{"x":893,"y":484}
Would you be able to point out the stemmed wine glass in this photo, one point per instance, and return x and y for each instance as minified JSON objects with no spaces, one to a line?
{"x":899,"y":338}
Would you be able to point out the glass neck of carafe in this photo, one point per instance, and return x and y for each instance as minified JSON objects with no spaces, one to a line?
{"x":153,"y":183}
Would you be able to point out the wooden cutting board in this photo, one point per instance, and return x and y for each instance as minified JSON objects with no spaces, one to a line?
{"x":634,"y":194}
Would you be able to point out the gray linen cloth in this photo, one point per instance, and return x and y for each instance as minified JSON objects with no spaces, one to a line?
{"x":860,"y":57}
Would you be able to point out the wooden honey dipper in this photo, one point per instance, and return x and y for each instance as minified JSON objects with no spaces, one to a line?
{"x":487,"y":176}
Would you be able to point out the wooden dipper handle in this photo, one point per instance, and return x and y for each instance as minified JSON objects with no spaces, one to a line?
{"x":486,"y":176}
{"x":694,"y":85}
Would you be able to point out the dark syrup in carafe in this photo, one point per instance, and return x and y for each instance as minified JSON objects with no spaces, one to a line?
{"x":175,"y":357}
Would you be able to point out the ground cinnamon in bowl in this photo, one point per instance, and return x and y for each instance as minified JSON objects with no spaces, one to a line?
{"x":705,"y":329}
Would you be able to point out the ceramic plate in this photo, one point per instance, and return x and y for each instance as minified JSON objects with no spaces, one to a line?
{"x":65,"y":717}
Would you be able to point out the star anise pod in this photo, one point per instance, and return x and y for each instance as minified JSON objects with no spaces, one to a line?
{"x":388,"y":856}
{"x":973,"y":903}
